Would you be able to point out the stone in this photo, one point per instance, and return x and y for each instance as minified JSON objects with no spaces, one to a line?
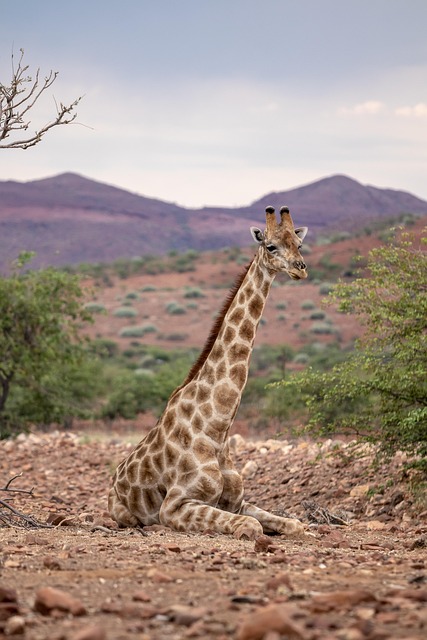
{"x":273,"y":618}
{"x":15,"y":626}
{"x":48,"y":599}
{"x":340,"y":599}
{"x":90,"y":632}
{"x":185,"y":615}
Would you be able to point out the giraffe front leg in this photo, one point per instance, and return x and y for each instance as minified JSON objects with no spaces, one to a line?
{"x":186,"y":514}
{"x":271,"y":522}
{"x":119,"y":512}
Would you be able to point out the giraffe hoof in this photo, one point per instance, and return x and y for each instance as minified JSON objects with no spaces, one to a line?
{"x":248,"y":531}
{"x":292,"y":527}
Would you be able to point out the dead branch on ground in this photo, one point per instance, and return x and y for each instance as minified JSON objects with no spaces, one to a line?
{"x":11,"y":517}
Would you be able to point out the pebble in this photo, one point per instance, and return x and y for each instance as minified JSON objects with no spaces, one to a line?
{"x":273,"y":618}
{"x":48,"y":599}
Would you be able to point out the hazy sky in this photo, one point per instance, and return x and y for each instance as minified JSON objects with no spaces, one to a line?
{"x":222,"y":101}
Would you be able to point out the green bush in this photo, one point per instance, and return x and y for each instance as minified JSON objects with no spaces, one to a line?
{"x":175,"y":309}
{"x":317,"y":314}
{"x":137,"y":331}
{"x":326,"y":288}
{"x":194,"y":292}
{"x":125,"y":312}
{"x":307,"y":304}
{"x":94,"y":307}
{"x":380,"y":391}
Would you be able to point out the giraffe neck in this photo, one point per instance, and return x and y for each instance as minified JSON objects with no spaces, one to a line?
{"x":216,"y":384}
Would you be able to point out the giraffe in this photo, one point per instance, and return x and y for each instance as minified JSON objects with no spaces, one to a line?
{"x":181,"y":473}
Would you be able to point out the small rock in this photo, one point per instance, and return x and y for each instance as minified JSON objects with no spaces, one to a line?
{"x":249,"y":470}
{"x":8,"y":609}
{"x":280,"y":580}
{"x":274,"y":618}
{"x":360,"y":491}
{"x":14,"y":626}
{"x":186,"y":616}
{"x":48,"y":599}
{"x":262,"y":543}
{"x":375,"y":525}
{"x":51,"y":563}
{"x":341,"y":599}
{"x":141,"y":596}
{"x":91,"y":632}
{"x":8,"y":595}
{"x":158,"y":576}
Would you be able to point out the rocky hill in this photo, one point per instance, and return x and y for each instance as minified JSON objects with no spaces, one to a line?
{"x":68,"y":219}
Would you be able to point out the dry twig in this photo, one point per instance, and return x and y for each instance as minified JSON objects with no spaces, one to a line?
{"x":11,"y":517}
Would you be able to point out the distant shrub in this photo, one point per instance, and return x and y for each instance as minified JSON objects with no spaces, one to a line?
{"x":282,"y":317}
{"x":132,"y":332}
{"x":301,"y":358}
{"x":148,"y":287}
{"x":174,"y":337}
{"x":125,"y":312}
{"x":192,"y":305}
{"x":194,"y":292}
{"x":307,"y":304}
{"x":132,"y":295}
{"x":317,"y":314}
{"x":149,"y":328}
{"x":281,"y":306}
{"x":322,"y":328}
{"x":94,"y":307}
{"x":175,"y":309}
{"x":325,"y":288}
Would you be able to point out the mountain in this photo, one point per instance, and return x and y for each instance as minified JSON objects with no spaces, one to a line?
{"x":68,"y":219}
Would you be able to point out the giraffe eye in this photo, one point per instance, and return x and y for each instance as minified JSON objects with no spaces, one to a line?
{"x":271,"y":248}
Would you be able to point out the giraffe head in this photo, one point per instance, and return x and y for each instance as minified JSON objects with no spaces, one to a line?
{"x":280,"y":244}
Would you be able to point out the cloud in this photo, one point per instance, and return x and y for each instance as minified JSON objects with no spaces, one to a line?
{"x":370,"y":107}
{"x":417,"y":111}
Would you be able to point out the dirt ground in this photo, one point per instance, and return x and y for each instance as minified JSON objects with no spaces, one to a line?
{"x":358,"y":573}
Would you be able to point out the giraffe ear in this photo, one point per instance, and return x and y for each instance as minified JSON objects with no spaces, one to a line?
{"x":301,"y":232}
{"x":257,"y":235}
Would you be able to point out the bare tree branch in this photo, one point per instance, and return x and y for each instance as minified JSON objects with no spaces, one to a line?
{"x":11,"y":517}
{"x":19,"y":97}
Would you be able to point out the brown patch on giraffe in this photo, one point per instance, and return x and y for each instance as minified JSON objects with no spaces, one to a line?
{"x":203,"y":450}
{"x":186,"y":409}
{"x":221,"y":371}
{"x":237,"y":316}
{"x":134,"y":498}
{"x":182,"y":436}
{"x":170,"y":455}
{"x":151,"y":500}
{"x":146,"y":471}
{"x":247,"y":330}
{"x":157,"y":460}
{"x":265,"y":289}
{"x":249,"y":289}
{"x":190,"y":391}
{"x":238,"y":374}
{"x":225,"y":398}
{"x":132,"y":472}
{"x":203,"y":393}
{"x":187,"y":463}
{"x":239,"y":352}
{"x":197,"y":422}
{"x":217,"y":353}
{"x":229,"y":335}
{"x":206,"y":410}
{"x":256,"y":305}
{"x":209,"y":374}
{"x":258,"y":279}
{"x":169,"y":419}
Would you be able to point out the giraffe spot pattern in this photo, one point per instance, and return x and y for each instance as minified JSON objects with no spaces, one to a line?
{"x":238,"y":375}
{"x":247,"y":330}
{"x":225,"y":398}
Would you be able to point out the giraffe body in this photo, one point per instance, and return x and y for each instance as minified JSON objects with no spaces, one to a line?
{"x":181,"y":474}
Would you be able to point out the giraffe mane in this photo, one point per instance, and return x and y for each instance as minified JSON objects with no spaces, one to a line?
{"x":198,"y":364}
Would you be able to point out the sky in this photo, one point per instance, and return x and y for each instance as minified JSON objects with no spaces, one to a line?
{"x":219,"y":102}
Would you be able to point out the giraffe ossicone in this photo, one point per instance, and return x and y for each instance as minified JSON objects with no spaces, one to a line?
{"x":181,"y":474}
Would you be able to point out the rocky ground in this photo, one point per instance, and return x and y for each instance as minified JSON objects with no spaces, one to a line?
{"x":358,"y":573}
